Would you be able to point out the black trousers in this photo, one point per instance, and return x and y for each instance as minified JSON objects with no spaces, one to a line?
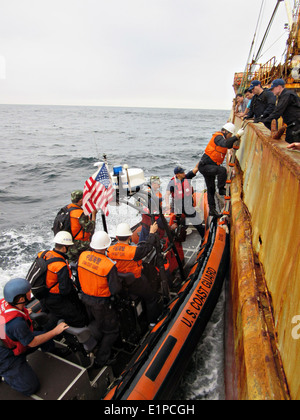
{"x":210,"y":173}
{"x":69,"y":308}
{"x":141,"y":288}
{"x":105,"y":326}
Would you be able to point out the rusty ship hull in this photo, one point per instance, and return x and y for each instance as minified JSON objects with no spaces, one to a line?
{"x":263,"y":311}
{"x":263,"y":346}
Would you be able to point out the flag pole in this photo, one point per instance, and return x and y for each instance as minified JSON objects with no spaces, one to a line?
{"x":104,"y":223}
{"x":103,"y":217}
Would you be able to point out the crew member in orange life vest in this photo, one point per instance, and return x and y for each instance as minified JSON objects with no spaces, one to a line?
{"x":210,"y":165}
{"x":17,"y":338}
{"x":181,"y":191}
{"x":99,"y":280}
{"x":62,"y":301}
{"x":129,"y":260}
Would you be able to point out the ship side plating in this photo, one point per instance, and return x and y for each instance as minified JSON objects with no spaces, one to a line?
{"x":264,"y":291}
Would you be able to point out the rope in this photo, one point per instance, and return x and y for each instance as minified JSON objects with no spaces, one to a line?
{"x":232,"y":164}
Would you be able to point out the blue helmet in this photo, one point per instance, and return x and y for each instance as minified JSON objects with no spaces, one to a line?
{"x":14,"y":288}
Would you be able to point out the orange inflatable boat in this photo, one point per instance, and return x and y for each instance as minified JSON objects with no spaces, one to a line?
{"x":154,"y":371}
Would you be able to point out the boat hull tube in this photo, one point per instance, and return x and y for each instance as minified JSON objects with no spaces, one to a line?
{"x":154,"y":372}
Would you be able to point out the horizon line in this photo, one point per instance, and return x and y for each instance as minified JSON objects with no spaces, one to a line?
{"x":115,"y":106}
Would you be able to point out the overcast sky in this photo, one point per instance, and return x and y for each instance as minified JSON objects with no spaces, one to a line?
{"x":152,"y":53}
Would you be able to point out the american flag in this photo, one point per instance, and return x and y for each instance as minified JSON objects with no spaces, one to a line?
{"x":97,"y":192}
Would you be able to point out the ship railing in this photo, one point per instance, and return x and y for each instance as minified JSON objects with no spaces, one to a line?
{"x":265,"y":73}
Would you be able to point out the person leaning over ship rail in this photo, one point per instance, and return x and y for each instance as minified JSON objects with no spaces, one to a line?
{"x":18,"y":339}
{"x":82,"y":226}
{"x":240,"y":105}
{"x":288,"y":107}
{"x":129,"y":260}
{"x":248,"y":95}
{"x":99,"y":281}
{"x":62,"y":301}
{"x":181,"y":192}
{"x":210,"y":165}
{"x":262,"y":103}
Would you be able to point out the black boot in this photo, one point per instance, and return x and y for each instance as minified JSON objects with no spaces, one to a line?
{"x":213,"y":212}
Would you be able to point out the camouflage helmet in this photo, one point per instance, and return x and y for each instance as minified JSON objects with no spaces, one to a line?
{"x":155,"y":180}
{"x":76,"y":195}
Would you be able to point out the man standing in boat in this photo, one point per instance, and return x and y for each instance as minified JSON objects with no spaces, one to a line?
{"x":99,"y":281}
{"x":262,"y":103}
{"x":181,"y":191}
{"x":154,"y":202}
{"x":210,"y":165}
{"x":288,"y":107}
{"x":128,"y":258}
{"x":62,"y":301}
{"x":80,"y":226}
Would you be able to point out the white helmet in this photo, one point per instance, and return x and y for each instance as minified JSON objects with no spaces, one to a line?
{"x":63,"y":238}
{"x":229,"y":127}
{"x":100,"y":240}
{"x":123,"y":229}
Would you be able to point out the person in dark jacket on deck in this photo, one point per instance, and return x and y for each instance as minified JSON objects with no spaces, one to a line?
{"x":288,"y":107}
{"x":210,"y":165}
{"x":262,"y":103}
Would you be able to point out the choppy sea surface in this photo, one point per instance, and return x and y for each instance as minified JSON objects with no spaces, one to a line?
{"x":49,"y":151}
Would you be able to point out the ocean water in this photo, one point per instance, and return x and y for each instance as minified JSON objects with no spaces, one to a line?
{"x":48,"y":151}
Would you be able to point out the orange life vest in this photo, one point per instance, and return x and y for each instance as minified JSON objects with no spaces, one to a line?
{"x":123,"y":254}
{"x":52,"y":270}
{"x":93,"y":269}
{"x":78,"y":232}
{"x":8,"y":313}
{"x":216,"y":153}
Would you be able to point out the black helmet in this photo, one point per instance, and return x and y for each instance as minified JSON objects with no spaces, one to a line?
{"x":14,"y":288}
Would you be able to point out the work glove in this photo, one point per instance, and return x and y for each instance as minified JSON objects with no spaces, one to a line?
{"x":240,"y":133}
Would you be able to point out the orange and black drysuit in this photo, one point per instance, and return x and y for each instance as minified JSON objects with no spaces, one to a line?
{"x":99,"y":280}
{"x":129,"y":260}
{"x":62,"y":300}
{"x":210,"y":165}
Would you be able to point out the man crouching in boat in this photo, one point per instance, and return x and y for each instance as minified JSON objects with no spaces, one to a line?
{"x":210,"y":165}
{"x":129,"y":260}
{"x":99,"y":280}
{"x":17,"y":338}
